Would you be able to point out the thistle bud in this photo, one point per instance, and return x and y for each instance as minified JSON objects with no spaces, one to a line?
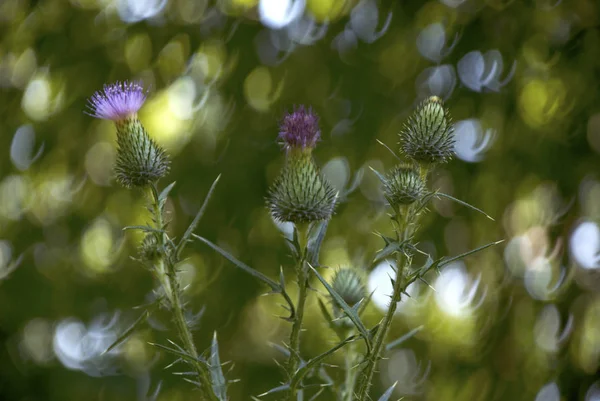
{"x":300,"y":194}
{"x":403,"y":185}
{"x":349,"y":284}
{"x":428,"y":136}
{"x":140,"y":160}
{"x":148,"y":250}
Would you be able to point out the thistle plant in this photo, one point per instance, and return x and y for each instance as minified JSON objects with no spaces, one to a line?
{"x":140,"y":163}
{"x":302,"y":196}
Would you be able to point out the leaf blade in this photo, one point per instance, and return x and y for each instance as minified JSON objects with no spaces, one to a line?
{"x":350,"y":312}
{"x":186,"y":236}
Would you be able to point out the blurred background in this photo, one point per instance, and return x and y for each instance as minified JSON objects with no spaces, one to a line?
{"x":520,"y":321}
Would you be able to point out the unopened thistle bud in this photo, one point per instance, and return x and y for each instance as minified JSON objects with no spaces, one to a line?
{"x":428,"y":136}
{"x":349,"y":283}
{"x":403,"y":185}
{"x":148,"y":250}
{"x":140,"y":160}
{"x":300,"y":194}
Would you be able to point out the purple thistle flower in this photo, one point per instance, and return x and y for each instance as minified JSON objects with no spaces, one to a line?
{"x":300,"y":129}
{"x":117,"y":101}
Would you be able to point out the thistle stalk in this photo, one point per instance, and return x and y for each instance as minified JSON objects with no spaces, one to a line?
{"x":404,"y":229}
{"x":167,"y":275}
{"x":302,"y":274}
{"x":350,"y":373}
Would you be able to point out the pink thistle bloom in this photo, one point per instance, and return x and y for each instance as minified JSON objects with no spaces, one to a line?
{"x":300,"y":129}
{"x":117,"y":101}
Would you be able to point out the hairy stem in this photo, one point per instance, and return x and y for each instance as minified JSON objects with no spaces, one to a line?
{"x":168,"y":279}
{"x":403,"y":233}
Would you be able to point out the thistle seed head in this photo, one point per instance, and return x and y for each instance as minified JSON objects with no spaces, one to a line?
{"x":403,"y":185}
{"x":428,"y":136}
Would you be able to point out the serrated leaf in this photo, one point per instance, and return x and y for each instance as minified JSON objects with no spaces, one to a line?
{"x":350,"y":312}
{"x":405,"y":337}
{"x":6,"y":270}
{"x":165,"y":192}
{"x":318,"y":393}
{"x":218,"y":381}
{"x":389,"y":149}
{"x":444,"y":261}
{"x":315,"y":239}
{"x":300,"y":373}
{"x":183,"y":355}
{"x":364,"y":303}
{"x":278,"y":389}
{"x":147,"y":229}
{"x":282,"y":349}
{"x":388,"y":393}
{"x":443,"y":195}
{"x":138,"y":322}
{"x":379,"y":175}
{"x":388,"y":250}
{"x":255,"y":273}
{"x":328,"y":318}
{"x":186,"y":236}
{"x":275,"y":287}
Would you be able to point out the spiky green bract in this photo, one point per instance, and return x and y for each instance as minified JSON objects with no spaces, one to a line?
{"x":300,"y":194}
{"x":403,"y":185}
{"x":349,"y":283}
{"x":140,"y":160}
{"x":148,"y":250}
{"x":428,"y":136}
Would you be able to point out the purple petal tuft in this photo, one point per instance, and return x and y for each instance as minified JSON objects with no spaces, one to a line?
{"x":117,"y":101}
{"x":300,"y":129}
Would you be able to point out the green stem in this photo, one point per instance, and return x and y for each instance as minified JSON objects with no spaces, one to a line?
{"x":168,"y":279}
{"x":302,"y":274}
{"x":294,"y":359}
{"x":403,"y":233}
{"x":350,"y":379}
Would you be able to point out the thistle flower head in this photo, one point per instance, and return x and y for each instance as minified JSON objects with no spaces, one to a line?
{"x":117,"y":101}
{"x":300,"y":129}
{"x":403,"y":185}
{"x":140,"y":160}
{"x":300,"y":194}
{"x":428,"y":136}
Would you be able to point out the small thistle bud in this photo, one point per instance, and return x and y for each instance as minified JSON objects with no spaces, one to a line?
{"x":403,"y":185}
{"x":349,"y":284}
{"x":428,"y":136}
{"x":140,"y":160}
{"x":300,"y":194}
{"x":148,"y":250}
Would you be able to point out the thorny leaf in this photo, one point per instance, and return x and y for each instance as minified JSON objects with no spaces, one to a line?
{"x":219,"y":383}
{"x":350,"y":312}
{"x":275,"y":287}
{"x":186,"y":237}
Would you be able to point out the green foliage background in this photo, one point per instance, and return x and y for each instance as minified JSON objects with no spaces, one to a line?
{"x":65,"y":216}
